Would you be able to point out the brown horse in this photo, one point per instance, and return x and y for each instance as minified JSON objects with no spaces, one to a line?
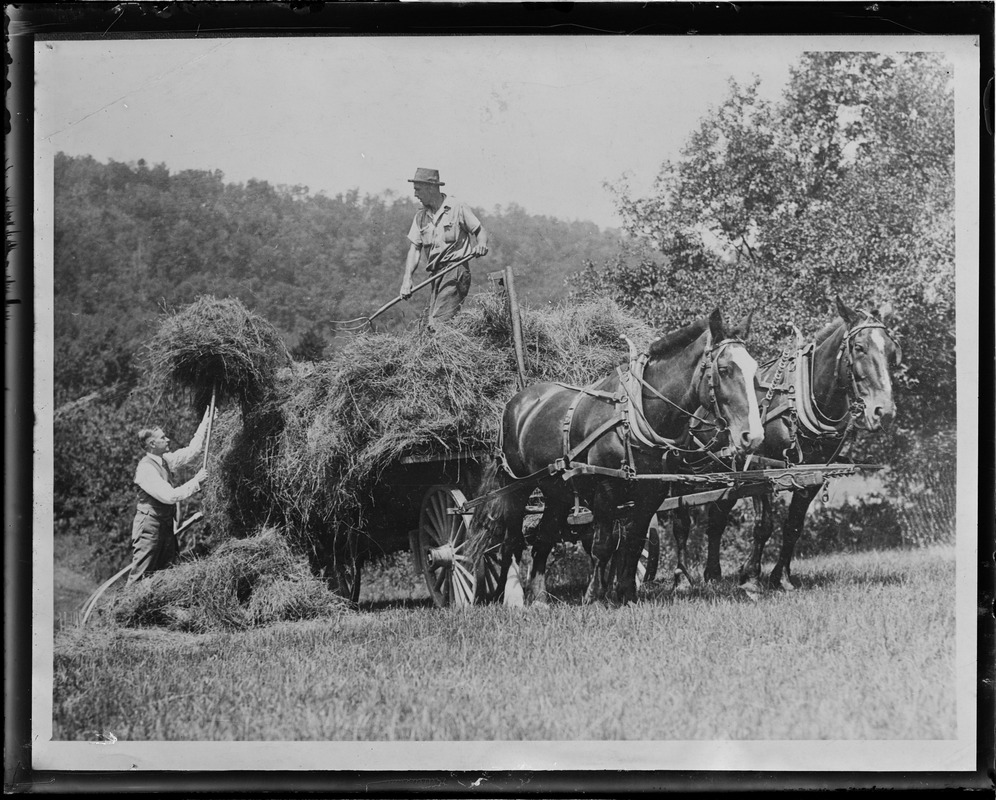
{"x":812,"y":400}
{"x":620,"y":427}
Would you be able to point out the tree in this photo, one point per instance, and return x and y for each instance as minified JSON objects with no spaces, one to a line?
{"x":843,"y":187}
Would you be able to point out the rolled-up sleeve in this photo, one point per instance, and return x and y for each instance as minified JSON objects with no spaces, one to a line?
{"x":183,"y":456}
{"x":152,"y":483}
{"x":471,"y":223}
{"x":415,"y":233}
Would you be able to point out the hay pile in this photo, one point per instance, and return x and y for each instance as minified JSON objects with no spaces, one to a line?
{"x":243,"y":584}
{"x":310,"y":455}
{"x":218,"y":344}
{"x":575,"y":343}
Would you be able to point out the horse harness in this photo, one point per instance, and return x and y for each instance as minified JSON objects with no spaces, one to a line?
{"x":630,"y":419}
{"x":804,"y":418}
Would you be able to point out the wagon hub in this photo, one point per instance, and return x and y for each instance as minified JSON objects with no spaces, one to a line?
{"x":437,"y":557}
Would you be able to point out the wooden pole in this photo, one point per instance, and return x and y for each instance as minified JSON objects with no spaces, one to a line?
{"x":513,"y":312}
{"x":207,"y":440}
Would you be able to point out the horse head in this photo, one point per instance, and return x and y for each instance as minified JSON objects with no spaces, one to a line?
{"x":863,"y":360}
{"x":726,"y":384}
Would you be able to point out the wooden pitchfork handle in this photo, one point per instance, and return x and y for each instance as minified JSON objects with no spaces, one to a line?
{"x":424,"y":283}
{"x":207,"y":439}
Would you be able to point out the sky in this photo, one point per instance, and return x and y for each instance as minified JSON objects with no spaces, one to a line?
{"x":542,"y":122}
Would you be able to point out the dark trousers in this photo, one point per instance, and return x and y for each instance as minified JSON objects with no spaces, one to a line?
{"x":447,"y":295}
{"x":153,"y":543}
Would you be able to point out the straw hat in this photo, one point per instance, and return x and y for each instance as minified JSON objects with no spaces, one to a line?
{"x":423,"y":175}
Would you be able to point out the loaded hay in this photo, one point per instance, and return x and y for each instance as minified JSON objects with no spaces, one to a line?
{"x":309,"y":457}
{"x":218,"y":345}
{"x":245,"y":583}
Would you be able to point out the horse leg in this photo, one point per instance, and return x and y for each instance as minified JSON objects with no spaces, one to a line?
{"x":719,"y":515}
{"x":509,"y":591}
{"x":546,"y":537}
{"x":603,"y":545}
{"x":681,"y":526}
{"x":781,"y":575}
{"x":630,"y":547}
{"x":750,"y":570}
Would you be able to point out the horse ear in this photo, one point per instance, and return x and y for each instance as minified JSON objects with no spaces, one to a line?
{"x":849,"y":316}
{"x":716,"y":330}
{"x":742,"y":329}
{"x":884,"y":311}
{"x":897,"y":356}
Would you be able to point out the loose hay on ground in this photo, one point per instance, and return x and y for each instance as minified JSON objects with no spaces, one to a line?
{"x":244,"y":583}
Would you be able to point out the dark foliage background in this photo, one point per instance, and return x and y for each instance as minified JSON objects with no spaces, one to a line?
{"x":843,"y":186}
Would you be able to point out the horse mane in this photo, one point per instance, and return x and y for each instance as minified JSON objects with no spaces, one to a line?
{"x":828,"y":330}
{"x":678,"y":340}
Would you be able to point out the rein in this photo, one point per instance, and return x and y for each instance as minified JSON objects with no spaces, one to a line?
{"x":644,"y":432}
{"x":630,"y":415}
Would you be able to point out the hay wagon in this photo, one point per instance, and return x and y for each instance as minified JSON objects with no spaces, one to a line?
{"x":425,"y":503}
{"x":442,"y":493}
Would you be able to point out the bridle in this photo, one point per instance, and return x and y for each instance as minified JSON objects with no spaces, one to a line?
{"x":849,"y":383}
{"x":809,"y":421}
{"x":708,"y":366}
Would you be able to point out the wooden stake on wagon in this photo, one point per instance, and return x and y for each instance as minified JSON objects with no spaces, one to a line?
{"x":513,"y":312}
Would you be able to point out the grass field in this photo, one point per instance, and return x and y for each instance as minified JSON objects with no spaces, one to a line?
{"x":864,"y":650}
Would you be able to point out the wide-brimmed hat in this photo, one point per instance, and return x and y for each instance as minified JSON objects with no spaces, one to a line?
{"x":423,"y":175}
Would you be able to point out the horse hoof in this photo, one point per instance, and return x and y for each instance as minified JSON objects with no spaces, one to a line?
{"x":780,"y":583}
{"x":514,"y":599}
{"x":751,"y":590}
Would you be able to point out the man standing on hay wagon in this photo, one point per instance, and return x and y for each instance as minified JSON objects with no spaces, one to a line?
{"x":447,"y":231}
{"x":153,"y":536}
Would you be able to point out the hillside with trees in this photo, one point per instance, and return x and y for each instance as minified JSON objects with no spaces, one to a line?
{"x":132,"y":239}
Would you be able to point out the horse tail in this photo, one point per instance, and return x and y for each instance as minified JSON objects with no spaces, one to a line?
{"x":488,"y":523}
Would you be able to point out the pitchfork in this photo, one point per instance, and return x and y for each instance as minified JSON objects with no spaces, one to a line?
{"x":359,"y":324}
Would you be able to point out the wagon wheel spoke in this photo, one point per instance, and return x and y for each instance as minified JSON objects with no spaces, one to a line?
{"x":440,"y":548}
{"x":437,"y":519}
{"x":488,"y":572}
{"x":464,"y":582}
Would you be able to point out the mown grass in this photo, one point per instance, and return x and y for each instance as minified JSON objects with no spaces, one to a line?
{"x":864,"y":651}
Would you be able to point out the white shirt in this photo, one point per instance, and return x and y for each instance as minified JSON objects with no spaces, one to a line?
{"x":151,"y":481}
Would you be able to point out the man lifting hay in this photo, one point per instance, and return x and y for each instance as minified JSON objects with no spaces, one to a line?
{"x":218,"y":351}
{"x":447,"y":231}
{"x":153,"y":533}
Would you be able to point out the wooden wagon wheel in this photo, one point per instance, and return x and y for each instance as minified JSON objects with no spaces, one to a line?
{"x":440,"y":550}
{"x":488,"y":571}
